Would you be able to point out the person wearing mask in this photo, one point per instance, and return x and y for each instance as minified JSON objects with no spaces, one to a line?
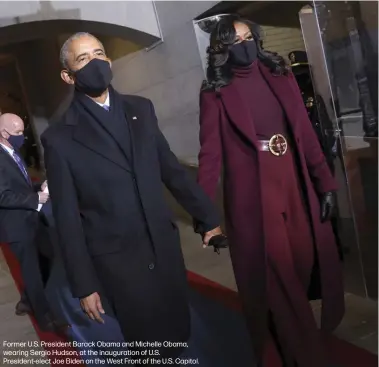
{"x":19,"y":218}
{"x":106,"y":161}
{"x":278,"y":192}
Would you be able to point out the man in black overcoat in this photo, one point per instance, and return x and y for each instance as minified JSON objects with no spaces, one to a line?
{"x":107,"y":163}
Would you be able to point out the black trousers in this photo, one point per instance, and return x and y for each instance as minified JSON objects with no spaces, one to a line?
{"x":27,"y":255}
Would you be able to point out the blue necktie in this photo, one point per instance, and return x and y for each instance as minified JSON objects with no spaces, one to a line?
{"x":106,"y":108}
{"x":21,"y":166}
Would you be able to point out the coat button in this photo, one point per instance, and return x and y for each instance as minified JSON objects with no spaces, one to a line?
{"x":151,"y":266}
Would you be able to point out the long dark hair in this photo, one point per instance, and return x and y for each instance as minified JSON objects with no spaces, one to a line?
{"x":219,"y":71}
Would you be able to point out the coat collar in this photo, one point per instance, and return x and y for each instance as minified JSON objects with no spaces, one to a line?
{"x":91,"y":135}
{"x":239,"y":113}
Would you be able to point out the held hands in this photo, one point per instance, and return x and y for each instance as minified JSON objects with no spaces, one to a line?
{"x":215,"y":238}
{"x":328,"y":203}
{"x":208,"y":235}
{"x":92,"y":306}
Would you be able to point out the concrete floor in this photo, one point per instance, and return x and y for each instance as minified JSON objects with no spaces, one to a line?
{"x":359,"y":326}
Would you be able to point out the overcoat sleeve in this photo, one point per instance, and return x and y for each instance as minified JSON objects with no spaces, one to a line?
{"x":318,"y":168}
{"x":184,"y":189}
{"x":80,"y":271}
{"x":210,"y":155}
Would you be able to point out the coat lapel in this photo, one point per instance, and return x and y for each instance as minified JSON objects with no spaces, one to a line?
{"x":238,"y":112}
{"x":13,"y":164}
{"x":282,"y":87}
{"x":94,"y":137}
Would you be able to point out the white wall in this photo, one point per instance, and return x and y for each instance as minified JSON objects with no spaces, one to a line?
{"x":139,"y":15}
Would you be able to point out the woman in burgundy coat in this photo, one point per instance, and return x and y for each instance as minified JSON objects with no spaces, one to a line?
{"x":278,"y":192}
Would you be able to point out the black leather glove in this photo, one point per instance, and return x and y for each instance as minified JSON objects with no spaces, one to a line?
{"x":328,"y":204}
{"x":218,"y":241}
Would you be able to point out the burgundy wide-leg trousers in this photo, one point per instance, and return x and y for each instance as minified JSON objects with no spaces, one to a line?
{"x":290,"y":257}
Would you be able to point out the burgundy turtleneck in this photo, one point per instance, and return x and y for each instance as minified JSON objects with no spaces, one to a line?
{"x":267,"y":113}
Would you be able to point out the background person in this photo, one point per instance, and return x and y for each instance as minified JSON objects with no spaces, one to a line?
{"x":20,"y":220}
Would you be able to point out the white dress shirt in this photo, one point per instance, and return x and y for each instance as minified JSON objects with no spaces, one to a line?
{"x":106,"y":103}
{"x":9,"y":150}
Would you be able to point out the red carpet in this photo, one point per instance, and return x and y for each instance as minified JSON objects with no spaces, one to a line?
{"x":342,"y":353}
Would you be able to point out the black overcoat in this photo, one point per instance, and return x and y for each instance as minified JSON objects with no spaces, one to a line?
{"x":115,"y":228}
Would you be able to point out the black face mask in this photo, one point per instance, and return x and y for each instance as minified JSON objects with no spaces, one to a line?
{"x":94,"y":78}
{"x":17,"y":141}
{"x":243,"y":54}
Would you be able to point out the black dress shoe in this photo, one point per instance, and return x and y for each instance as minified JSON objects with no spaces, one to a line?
{"x":23,"y":308}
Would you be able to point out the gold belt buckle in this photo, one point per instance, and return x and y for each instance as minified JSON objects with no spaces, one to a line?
{"x":278,"y":145}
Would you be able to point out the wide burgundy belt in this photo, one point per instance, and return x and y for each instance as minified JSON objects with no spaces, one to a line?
{"x":277,"y":145}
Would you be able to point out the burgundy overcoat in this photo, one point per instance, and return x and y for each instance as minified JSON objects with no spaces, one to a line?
{"x":228,"y":142}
